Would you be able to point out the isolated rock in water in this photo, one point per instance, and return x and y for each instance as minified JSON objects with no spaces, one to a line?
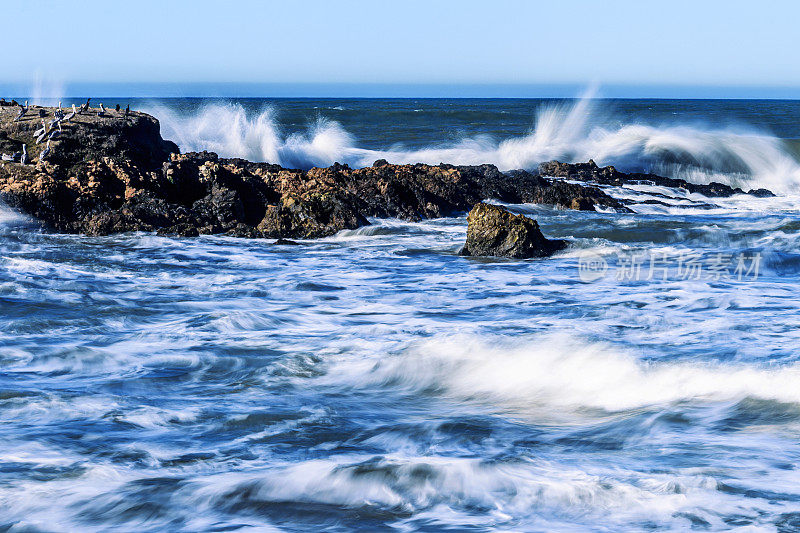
{"x":494,"y":231}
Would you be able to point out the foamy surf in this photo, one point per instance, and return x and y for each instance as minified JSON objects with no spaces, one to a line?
{"x":526,"y":375}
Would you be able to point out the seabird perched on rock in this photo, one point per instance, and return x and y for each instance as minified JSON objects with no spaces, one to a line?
{"x":127,"y":109}
{"x":102,"y":111}
{"x":23,"y":159}
{"x":53,"y":134}
{"x":71,"y":115}
{"x":40,"y":130}
{"x":41,"y":137}
{"x":85,"y":107}
{"x":117,"y":108}
{"x":6,"y":157}
{"x":45,"y":152}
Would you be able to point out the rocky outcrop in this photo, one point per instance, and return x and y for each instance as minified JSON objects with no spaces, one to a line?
{"x":494,"y":231}
{"x":114,"y":173}
{"x":590,"y":172}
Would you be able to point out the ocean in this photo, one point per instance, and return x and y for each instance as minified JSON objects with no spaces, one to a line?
{"x":647,"y":378}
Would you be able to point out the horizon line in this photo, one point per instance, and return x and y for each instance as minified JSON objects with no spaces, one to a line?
{"x":48,"y":89}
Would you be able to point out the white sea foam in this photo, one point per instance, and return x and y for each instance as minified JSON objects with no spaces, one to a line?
{"x":739,"y":157}
{"x":538,"y":494}
{"x":556,"y":370}
{"x":11,"y":217}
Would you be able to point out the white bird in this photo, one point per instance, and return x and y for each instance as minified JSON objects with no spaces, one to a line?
{"x":53,"y":134}
{"x":59,"y":105}
{"x":23,"y":159}
{"x":45,"y":152}
{"x":40,"y":130}
{"x":6,"y":157}
{"x":71,"y":115}
{"x":41,"y":137}
{"x":102,"y":111}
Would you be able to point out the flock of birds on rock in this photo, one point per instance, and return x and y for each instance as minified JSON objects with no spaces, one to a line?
{"x":52,"y":130}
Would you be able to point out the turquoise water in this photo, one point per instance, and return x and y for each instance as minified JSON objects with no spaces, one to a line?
{"x":375,"y":380}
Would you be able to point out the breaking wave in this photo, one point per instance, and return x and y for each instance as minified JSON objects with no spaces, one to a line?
{"x":557,"y":371}
{"x":572,"y":132}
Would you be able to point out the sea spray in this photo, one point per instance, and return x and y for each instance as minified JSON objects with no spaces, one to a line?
{"x":739,"y":156}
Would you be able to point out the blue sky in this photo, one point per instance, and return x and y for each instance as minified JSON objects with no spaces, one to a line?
{"x":392,"y":46}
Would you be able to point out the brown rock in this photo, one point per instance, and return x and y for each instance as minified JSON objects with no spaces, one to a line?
{"x":494,"y":231}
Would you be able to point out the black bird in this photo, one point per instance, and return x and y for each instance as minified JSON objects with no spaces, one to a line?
{"x":117,"y":108}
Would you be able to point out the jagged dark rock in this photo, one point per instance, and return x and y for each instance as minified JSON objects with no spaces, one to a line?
{"x":609,"y":175}
{"x":761,"y":193}
{"x":115,"y":174}
{"x":494,"y":231}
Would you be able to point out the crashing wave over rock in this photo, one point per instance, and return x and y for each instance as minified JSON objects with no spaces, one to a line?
{"x":112,"y":172}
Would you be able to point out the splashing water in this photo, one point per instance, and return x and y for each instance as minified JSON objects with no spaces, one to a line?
{"x":46,"y":91}
{"x":574,"y":132}
{"x":228,"y":130}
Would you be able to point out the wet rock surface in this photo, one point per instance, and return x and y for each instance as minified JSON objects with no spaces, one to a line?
{"x":494,"y":231}
{"x":112,"y":172}
{"x":590,"y":172}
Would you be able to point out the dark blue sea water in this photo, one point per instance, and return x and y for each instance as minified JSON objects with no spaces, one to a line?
{"x":375,"y":380}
